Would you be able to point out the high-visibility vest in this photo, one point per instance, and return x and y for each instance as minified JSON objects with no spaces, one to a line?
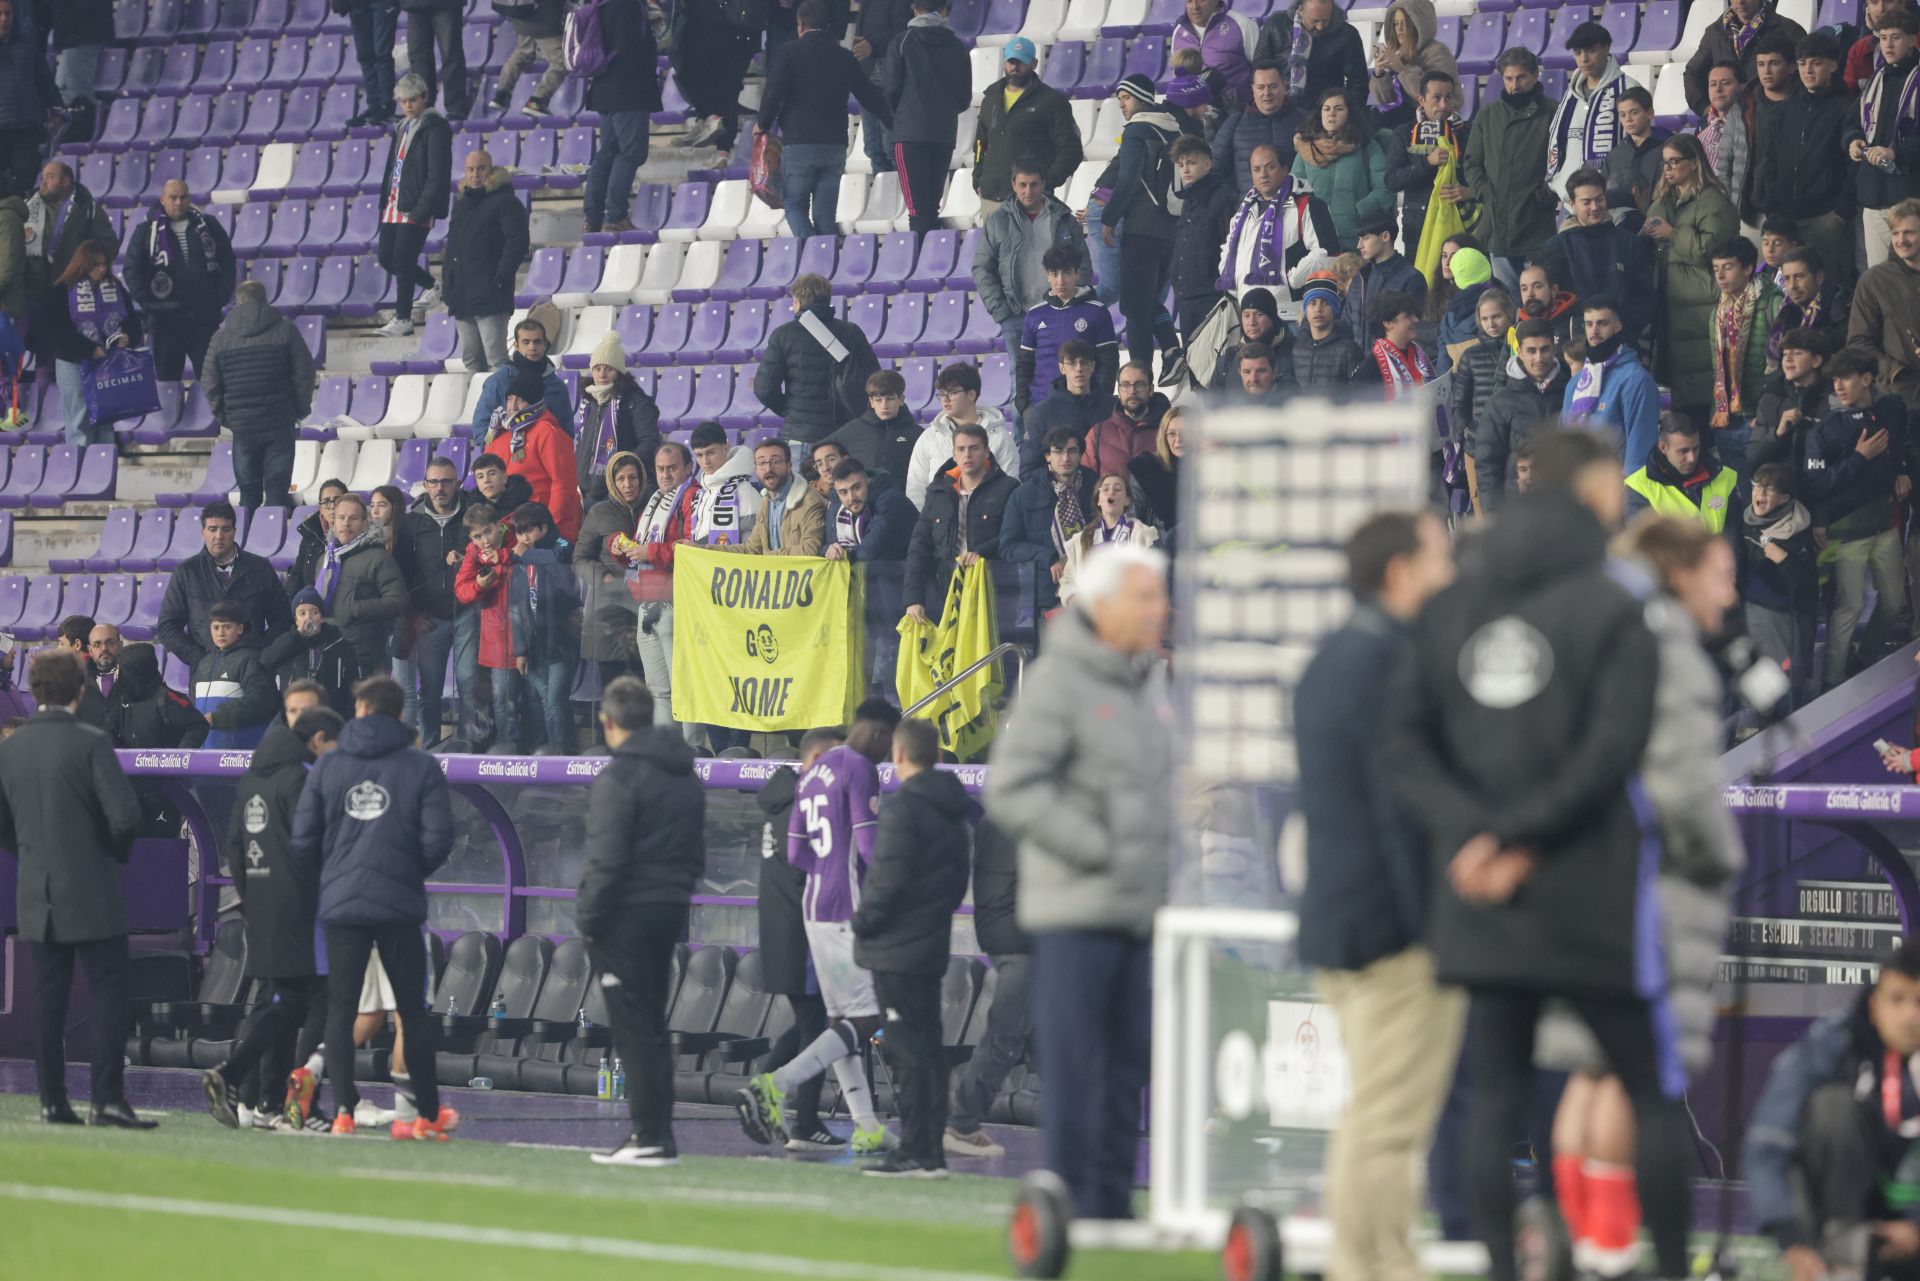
{"x":1716,"y":500}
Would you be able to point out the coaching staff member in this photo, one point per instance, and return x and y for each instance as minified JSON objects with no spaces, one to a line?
{"x":1527,"y":792}
{"x":646,"y":851}
{"x":69,"y":816}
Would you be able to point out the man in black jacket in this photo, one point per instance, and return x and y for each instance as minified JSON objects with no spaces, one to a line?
{"x":1336,"y":57}
{"x":996,"y":892}
{"x":959,"y":523}
{"x":929,"y":81}
{"x":180,"y":271}
{"x":432,"y":541}
{"x":881,"y":22}
{"x":1803,"y":172}
{"x":798,"y":375}
{"x":914,"y":885}
{"x":1270,"y":121}
{"x":1515,"y":784}
{"x":1207,"y":202}
{"x":646,"y":852}
{"x":625,"y":95}
{"x":1422,"y":145}
{"x":1363,"y":915}
{"x":70,"y":817}
{"x":279,"y":897}
{"x":808,"y":82}
{"x":220,"y":571}
{"x":884,"y":436}
{"x":417,"y":177}
{"x":1142,"y":203}
{"x":375,"y":817}
{"x":1605,"y":258}
{"x":1536,"y":385}
{"x":486,"y":245}
{"x":258,"y":376}
{"x":1021,"y":118}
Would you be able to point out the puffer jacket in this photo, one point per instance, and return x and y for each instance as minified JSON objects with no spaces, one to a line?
{"x":1503,"y":425}
{"x":192,"y":285}
{"x":1326,"y":364}
{"x":1505,"y":164}
{"x":369,"y":596}
{"x":796,"y":375}
{"x":542,"y":594}
{"x":1080,"y":778}
{"x":1354,"y":186}
{"x":1803,"y":172}
{"x":1060,"y":410}
{"x":259,"y":376}
{"x":376,"y":818}
{"x":917,"y":878}
{"x":1700,"y":222}
{"x":1026,"y":530}
{"x":1478,"y":375}
{"x":646,"y":831}
{"x":999,"y":260}
{"x":1040,"y":124}
{"x":326,"y":657}
{"x":1392,"y":91}
{"x":1241,"y":132}
{"x":486,"y":243}
{"x":426,"y":175}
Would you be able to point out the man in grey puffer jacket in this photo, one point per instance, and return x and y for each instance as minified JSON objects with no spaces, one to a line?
{"x":1081,"y":778}
{"x":259,"y":381}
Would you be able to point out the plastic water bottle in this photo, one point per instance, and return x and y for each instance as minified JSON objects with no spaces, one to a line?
{"x":497,"y":1011}
{"x":453,"y":1007}
{"x":603,"y":1080}
{"x":585,"y":1025}
{"x":480,"y":1083}
{"x":619,"y":1078}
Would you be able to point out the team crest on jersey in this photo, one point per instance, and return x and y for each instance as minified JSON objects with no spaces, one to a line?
{"x":1506,"y":663}
{"x":1080,"y":325}
{"x":367,"y":801}
{"x":255,"y":816}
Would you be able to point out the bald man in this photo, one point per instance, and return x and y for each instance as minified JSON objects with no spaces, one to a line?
{"x":103,"y":650}
{"x":62,"y":215}
{"x":180,"y":270}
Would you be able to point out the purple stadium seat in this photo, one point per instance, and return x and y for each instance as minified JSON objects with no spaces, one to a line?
{"x":856,"y":263}
{"x":744,"y":411}
{"x":946,"y":322}
{"x":231,"y":17}
{"x":438,"y":339}
{"x":1556,"y":55}
{"x":330,"y":397}
{"x":116,"y":540}
{"x":81,"y":596}
{"x":962,"y":277}
{"x":265,"y":272}
{"x":99,"y":474}
{"x":1482,"y":42}
{"x":1106,"y":63}
{"x":176,"y":73}
{"x":325,"y":225}
{"x":143,"y":72}
{"x":163,"y":21}
{"x":369,"y":403}
{"x":869,"y":312}
{"x":121,"y":127}
{"x":298,"y":280}
{"x":29,"y":465}
{"x":1834,"y":13}
{"x":129,"y":20}
{"x":304,"y":17}
{"x":1498,"y":6}
{"x":1161,"y":15}
{"x":572,"y":147}
{"x":302,"y":115}
{"x":1002,"y":18}
{"x":1622,"y":22}
{"x":372,"y":289}
{"x":63,"y":468}
{"x":712,"y":393}
{"x":938,"y":257}
{"x":130,"y":178}
{"x":229,"y":117}
{"x":289,"y":228}
{"x":893,"y":263}
{"x":907,"y":317}
{"x":363,"y":225}
{"x":145,"y":618}
{"x":167,"y":166}
{"x":456,"y":451}
{"x":1659,"y":26}
{"x":536,"y":158}
{"x":996,"y":380}
{"x":252,"y":63}
{"x":1066,"y":61}
{"x":267,"y":531}
{"x":339,"y":104}
{"x":673,"y":394}
{"x":670,"y":326}
{"x":13,"y":596}
{"x":1147,"y":56}
{"x":332,"y":285}
{"x":313,"y":332}
{"x":40,"y":611}
{"x":1528,"y":30}
{"x":216,"y":68}
{"x":673,"y":103}
{"x":325,"y":58}
{"x":196,"y":23}
{"x":310,"y":166}
{"x":196,"y":416}
{"x":634,"y":326}
{"x":918,"y":373}
{"x":544,"y":275}
{"x":706,"y":334}
{"x":185,"y":541}
{"x":690,"y":204}
{"x":218,"y":481}
{"x":348,"y":174}
{"x":738,"y":270}
{"x":263,"y":116}
{"x":1554,"y":81}
{"x":778,"y":266}
{"x":96,"y":172}
{"x":982,"y":333}
{"x":478,"y":40}
{"x":652,"y":206}
{"x":251,"y":227}
{"x":746,"y":333}
{"x":116,"y":598}
{"x":1447,"y":33}
{"x":156,"y":122}
{"x":410,"y":465}
{"x":113,"y":70}
{"x":582,"y":277}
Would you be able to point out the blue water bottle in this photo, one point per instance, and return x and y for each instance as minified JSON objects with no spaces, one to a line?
{"x":619,"y":1078}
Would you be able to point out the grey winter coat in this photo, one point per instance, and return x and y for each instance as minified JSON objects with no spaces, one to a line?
{"x":370,"y":595}
{"x":1005,"y":288}
{"x":1079,"y":778}
{"x":259,"y":375}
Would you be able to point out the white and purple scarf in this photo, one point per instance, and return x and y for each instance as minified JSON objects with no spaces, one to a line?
{"x":518,"y":425}
{"x":607,"y":444}
{"x":850,"y":527}
{"x":327,"y":580}
{"x":1586,"y":388}
{"x":1299,"y":52}
{"x":1119,"y":533}
{"x":1269,"y":265}
{"x":1601,"y":132}
{"x":658,"y":513}
{"x":716,"y":509}
{"x":167,"y":254}
{"x":98,"y":309}
{"x":1906,"y":112}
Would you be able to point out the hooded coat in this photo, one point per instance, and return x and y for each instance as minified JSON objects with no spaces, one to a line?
{"x":142,"y":712}
{"x":327,"y":657}
{"x":1489,"y":730}
{"x":1685,"y":345}
{"x":606,"y":631}
{"x":487,"y":242}
{"x":279,"y":893}
{"x":376,"y":817}
{"x":882,"y":446}
{"x":646,"y":831}
{"x":259,"y":378}
{"x":1391,"y":90}
{"x":1243,"y":131}
{"x":917,"y":879}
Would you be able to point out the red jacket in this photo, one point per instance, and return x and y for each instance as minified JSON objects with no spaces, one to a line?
{"x":547,"y":462}
{"x":1860,"y":68}
{"x":496,"y":620}
{"x":1116,"y":442}
{"x":655,"y":579}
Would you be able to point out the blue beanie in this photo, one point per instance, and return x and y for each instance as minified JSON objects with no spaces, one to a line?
{"x":1320,"y":286}
{"x":308,"y":596}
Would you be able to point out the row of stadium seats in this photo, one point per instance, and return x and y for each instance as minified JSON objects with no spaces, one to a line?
{"x":723,"y":1019}
{"x":48,"y":476}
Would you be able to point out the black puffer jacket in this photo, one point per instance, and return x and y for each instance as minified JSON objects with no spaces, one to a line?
{"x":1514,"y":413}
{"x":783,"y":931}
{"x":1326,"y":364}
{"x":1242,"y":131}
{"x":1803,"y":172}
{"x":917,"y":879}
{"x":1338,"y":59}
{"x":376,"y":818}
{"x":259,"y":377}
{"x":646,"y":831}
{"x":326,"y":657}
{"x":1491,"y":729}
{"x":486,"y":244}
{"x":1478,"y":375}
{"x":1206,"y":213}
{"x":422,"y":547}
{"x":795,"y":378}
{"x":279,"y":893}
{"x":143,"y":713}
{"x":426,"y":175}
{"x":631,"y":81}
{"x":882,"y":446}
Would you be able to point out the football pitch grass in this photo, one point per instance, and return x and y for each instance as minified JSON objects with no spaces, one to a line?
{"x":194,"y":1199}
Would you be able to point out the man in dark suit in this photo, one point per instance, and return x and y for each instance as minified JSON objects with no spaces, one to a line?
{"x":70,"y":816}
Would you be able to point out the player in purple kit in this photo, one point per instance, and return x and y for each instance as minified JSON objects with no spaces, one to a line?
{"x":830,"y":837}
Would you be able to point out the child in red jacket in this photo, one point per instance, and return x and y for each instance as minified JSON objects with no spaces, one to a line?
{"x":481,"y":583}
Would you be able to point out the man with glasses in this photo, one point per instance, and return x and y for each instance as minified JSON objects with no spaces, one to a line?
{"x":431,"y":543}
{"x":221,"y":572}
{"x":958,"y":386}
{"x":1133,"y":426}
{"x":313,"y":533}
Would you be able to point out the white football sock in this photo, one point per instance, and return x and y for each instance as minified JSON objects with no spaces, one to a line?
{"x":826,"y":1050}
{"x":854,"y":1092}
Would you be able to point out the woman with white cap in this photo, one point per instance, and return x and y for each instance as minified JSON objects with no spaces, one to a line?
{"x":615,"y":415}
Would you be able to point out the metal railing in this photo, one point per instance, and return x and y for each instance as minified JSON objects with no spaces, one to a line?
{"x":1006,"y":649}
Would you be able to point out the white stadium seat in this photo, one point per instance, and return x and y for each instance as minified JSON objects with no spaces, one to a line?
{"x":961,"y":206}
{"x":373,"y":467}
{"x":852,"y":202}
{"x":589,"y":327}
{"x":1083,"y":20}
{"x":663,"y":269}
{"x":306,"y":466}
{"x":621,"y":275}
{"x":728,"y":210}
{"x":446,"y":401}
{"x":885,"y":205}
{"x":1044,"y":18}
{"x":336,"y":459}
{"x":702,"y":265}
{"x":406,"y":403}
{"x":1670,"y":91}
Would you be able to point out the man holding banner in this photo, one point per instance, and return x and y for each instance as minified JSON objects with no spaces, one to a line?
{"x":960,"y":521}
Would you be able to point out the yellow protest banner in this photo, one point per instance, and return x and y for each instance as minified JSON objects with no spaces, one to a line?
{"x":764,"y":643}
{"x":932,"y":654}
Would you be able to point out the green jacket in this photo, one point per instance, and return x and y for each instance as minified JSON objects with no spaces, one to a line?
{"x":16,"y":298}
{"x":1353,"y":187}
{"x":1686,"y":283}
{"x":1754,"y":366}
{"x":1506,"y":166}
{"x":1040,"y":124}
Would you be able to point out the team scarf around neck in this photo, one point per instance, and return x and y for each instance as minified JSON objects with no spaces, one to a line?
{"x":1425,"y":135}
{"x":606,"y":444}
{"x":850,"y":527}
{"x":659,"y":512}
{"x":517,"y":425}
{"x":1068,"y":517}
{"x":327,"y":581}
{"x":1906,"y":112}
{"x":1790,"y":317}
{"x":720,"y":499}
{"x":1586,"y":387}
{"x":1724,"y":138}
{"x":1298,"y":54}
{"x":1121,"y":532}
{"x":1732,"y":325}
{"x":1743,"y":34}
{"x":98,"y":309}
{"x":1598,"y":136}
{"x":1401,"y":371}
{"x":1269,"y":252}
{"x":167,"y":254}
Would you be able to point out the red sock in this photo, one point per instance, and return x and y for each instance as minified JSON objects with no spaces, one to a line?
{"x":1613,"y":1215}
{"x":1570,"y":1190}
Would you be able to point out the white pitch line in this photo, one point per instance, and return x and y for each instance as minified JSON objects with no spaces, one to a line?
{"x":432,"y":1176}
{"x":474,"y":1235}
